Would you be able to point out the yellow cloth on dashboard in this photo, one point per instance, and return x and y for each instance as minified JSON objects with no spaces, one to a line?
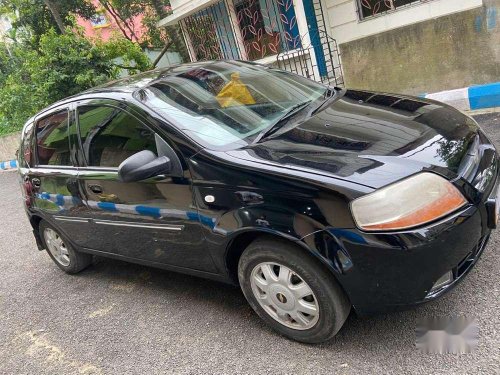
{"x":234,"y":93}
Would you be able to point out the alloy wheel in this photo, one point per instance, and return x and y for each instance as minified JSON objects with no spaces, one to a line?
{"x":56,"y":247}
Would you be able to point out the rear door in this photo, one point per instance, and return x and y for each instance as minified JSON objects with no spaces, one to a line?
{"x":53,"y":173}
{"x":153,"y":220}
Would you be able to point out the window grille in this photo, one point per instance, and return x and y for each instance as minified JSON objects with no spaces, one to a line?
{"x":371,"y":8}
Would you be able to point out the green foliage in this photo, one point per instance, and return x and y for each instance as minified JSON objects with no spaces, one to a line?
{"x":63,"y":65}
{"x":133,"y":57}
{"x":154,"y":37}
{"x":151,"y":11}
{"x":48,"y":58}
{"x":32,"y":19}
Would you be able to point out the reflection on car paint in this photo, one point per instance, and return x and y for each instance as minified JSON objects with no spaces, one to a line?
{"x":348,"y":235}
{"x":65,"y":202}
{"x":11,"y":164}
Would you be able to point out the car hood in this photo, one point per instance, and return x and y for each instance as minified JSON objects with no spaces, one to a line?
{"x":371,"y":138}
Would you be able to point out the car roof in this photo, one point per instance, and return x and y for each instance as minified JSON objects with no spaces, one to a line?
{"x":130,"y":84}
{"x":137,"y":81}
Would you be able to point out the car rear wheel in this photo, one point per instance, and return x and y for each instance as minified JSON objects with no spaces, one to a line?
{"x":61,"y":252}
{"x":292,"y":291}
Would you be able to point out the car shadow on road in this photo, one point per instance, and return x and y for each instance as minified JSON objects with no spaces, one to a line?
{"x":391,"y":331}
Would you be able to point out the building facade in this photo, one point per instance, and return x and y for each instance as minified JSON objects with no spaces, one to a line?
{"x":413,"y":46}
{"x":104,"y":26}
{"x":289,"y":33}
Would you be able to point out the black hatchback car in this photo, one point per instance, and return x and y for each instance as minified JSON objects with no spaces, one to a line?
{"x":313,"y":199}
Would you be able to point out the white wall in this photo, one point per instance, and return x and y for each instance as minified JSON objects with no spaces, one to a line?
{"x":345,"y":26}
{"x":168,"y":59}
{"x":182,"y":8}
{"x":9,"y":145}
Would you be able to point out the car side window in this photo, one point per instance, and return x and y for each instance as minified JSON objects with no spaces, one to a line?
{"x":26,"y":155}
{"x":110,"y":135}
{"x":52,"y":139}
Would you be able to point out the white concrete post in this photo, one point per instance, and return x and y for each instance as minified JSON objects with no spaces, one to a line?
{"x":187,"y":39}
{"x":300,"y":14}
{"x":233,"y":18}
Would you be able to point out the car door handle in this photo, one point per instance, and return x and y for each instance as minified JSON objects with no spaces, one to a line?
{"x":249,"y":197}
{"x":96,"y":188}
{"x":36,"y":183}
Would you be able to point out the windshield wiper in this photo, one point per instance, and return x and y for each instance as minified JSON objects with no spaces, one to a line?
{"x":277,"y":124}
{"x":328,"y":96}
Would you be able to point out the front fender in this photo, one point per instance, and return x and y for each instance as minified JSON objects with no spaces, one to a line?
{"x":233,"y":200}
{"x":321,"y":241}
{"x":275,"y":220}
{"x":244,"y":224}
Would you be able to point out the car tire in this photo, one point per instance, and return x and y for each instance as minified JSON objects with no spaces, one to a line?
{"x":60,"y":250}
{"x":278,"y":303}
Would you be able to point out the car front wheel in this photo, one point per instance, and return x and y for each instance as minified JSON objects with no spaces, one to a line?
{"x":292,"y":291}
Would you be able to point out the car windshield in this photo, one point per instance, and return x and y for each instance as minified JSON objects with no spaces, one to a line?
{"x":226,"y":104}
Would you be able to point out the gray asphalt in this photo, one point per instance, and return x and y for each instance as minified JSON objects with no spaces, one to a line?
{"x":119,"y":318}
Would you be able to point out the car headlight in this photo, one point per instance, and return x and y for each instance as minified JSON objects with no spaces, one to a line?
{"x":414,"y":201}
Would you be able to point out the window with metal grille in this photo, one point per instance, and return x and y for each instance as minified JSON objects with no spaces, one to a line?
{"x":371,"y":8}
{"x":258,"y":28}
{"x":211,"y":33}
{"x":267,"y":27}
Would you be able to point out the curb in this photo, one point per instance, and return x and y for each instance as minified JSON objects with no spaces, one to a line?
{"x":6,"y":165}
{"x":470,"y":98}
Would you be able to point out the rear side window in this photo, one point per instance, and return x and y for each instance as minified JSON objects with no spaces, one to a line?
{"x":52,"y":139}
{"x":25,"y":156}
{"x":110,"y":135}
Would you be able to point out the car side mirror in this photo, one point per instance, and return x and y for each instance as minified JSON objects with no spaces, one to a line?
{"x":143,"y":165}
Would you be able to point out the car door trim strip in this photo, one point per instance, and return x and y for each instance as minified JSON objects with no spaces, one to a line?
{"x":137,"y":225}
{"x":73,"y":219}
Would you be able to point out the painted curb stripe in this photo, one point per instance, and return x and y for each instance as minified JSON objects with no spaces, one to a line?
{"x":148,"y":211}
{"x":470,"y":98}
{"x":457,"y":98}
{"x":485,"y":96}
{"x":10,"y":164}
{"x":107,"y":206}
{"x":60,"y":200}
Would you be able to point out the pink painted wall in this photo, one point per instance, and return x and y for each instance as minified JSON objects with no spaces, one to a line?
{"x":107,"y":29}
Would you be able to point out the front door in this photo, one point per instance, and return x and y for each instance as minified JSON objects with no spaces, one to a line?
{"x":153,"y":220}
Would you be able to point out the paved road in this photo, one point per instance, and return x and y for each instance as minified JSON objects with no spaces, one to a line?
{"x":122,"y":318}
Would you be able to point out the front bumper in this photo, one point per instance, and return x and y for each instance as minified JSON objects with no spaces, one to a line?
{"x":393,"y":271}
{"x":460,"y":271}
